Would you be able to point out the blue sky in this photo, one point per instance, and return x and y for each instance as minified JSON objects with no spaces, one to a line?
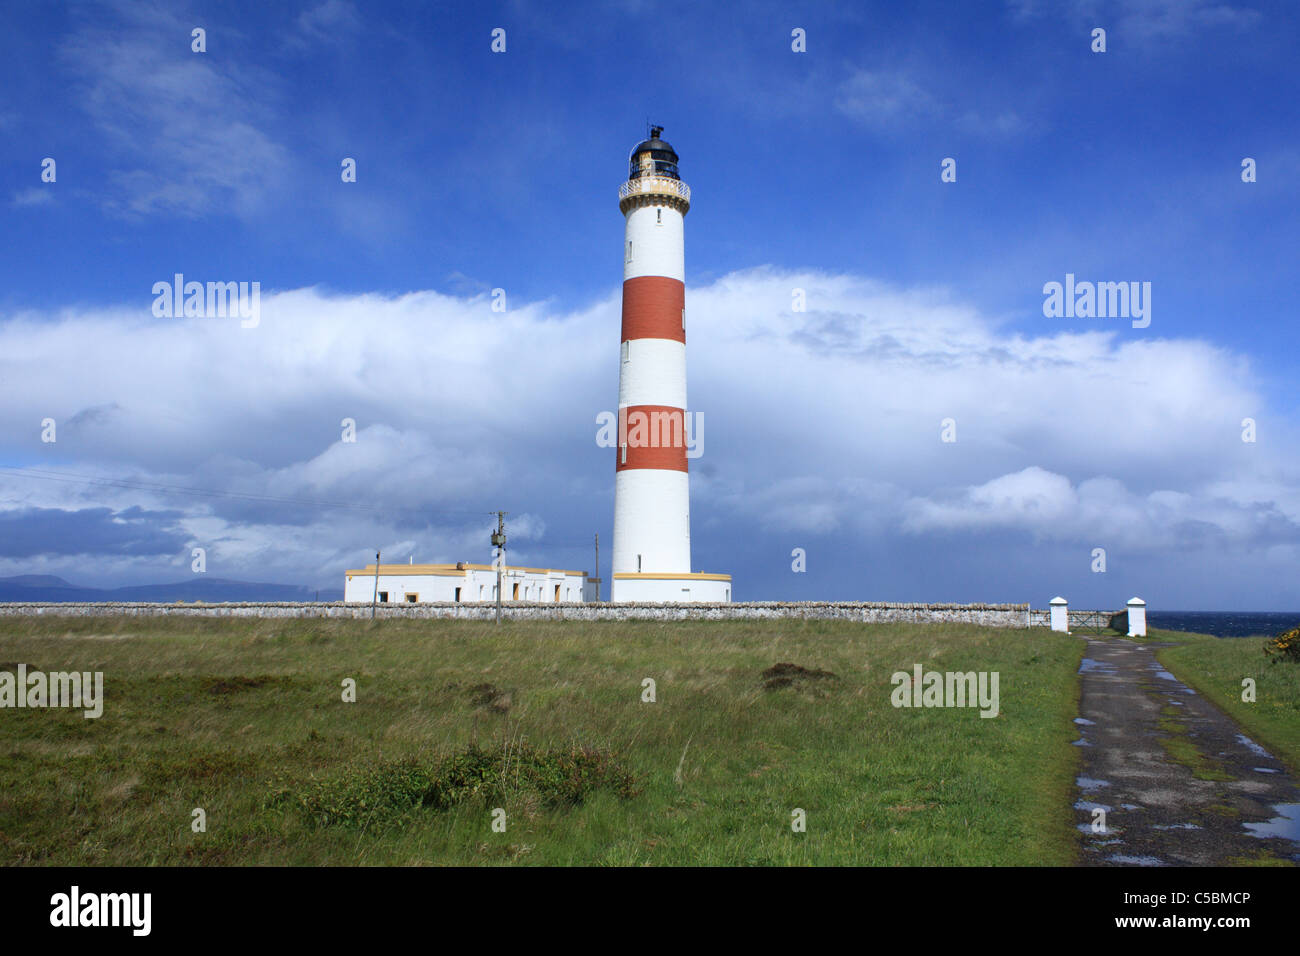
{"x":816,"y":170}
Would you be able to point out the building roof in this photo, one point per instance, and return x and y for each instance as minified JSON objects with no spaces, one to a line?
{"x":654,"y":143}
{"x":451,"y":570}
{"x":661,"y":576}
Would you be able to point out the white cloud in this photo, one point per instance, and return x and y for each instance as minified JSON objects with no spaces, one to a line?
{"x":824,"y":422}
{"x":1002,"y":123}
{"x":35,"y":196}
{"x":1143,"y":20}
{"x":329,"y":22}
{"x":1048,"y":506}
{"x":1164,"y":19}
{"x":879,"y":99}
{"x":889,"y":100}
{"x":185,"y":132}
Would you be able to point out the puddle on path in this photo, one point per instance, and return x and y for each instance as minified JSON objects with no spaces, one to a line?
{"x":1089,"y":666}
{"x":1286,"y":825}
{"x":1135,"y":860}
{"x":1253,"y":747}
{"x":1105,"y":831}
{"x":1089,"y":806}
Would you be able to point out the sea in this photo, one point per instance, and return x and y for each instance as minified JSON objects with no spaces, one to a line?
{"x":1225,"y":623}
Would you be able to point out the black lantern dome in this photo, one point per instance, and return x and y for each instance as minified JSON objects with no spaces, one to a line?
{"x":653,"y":157}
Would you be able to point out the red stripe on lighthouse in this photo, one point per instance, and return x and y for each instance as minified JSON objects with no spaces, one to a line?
{"x":651,"y":436}
{"x":652,"y":308}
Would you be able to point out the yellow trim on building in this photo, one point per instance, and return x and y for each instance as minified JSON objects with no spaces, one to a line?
{"x":694,"y":576}
{"x":452,"y":570}
{"x":514,"y":567}
{"x":445,"y":570}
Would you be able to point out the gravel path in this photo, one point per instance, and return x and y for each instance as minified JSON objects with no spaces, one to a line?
{"x":1180,"y":783}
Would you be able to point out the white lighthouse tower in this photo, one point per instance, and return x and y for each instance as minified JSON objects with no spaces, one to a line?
{"x":652,"y":519}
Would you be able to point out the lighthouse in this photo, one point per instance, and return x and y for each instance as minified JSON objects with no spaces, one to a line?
{"x":652,"y":514}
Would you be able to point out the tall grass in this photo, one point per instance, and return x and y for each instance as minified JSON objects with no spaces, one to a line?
{"x":225,"y":715}
{"x":1217,"y":668}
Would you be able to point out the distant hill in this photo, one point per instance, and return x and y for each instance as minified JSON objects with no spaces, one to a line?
{"x":47,"y":587}
{"x":38,"y":581}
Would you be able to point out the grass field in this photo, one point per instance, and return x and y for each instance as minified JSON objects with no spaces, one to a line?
{"x":245,"y":720}
{"x":1216,"y":669}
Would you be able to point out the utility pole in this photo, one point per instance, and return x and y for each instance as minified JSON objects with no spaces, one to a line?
{"x":499,"y":542}
{"x":375,"y":600}
{"x":597,"y":568}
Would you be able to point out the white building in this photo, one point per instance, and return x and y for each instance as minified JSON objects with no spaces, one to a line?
{"x":673,"y":588}
{"x":469,"y":583}
{"x":652,"y":517}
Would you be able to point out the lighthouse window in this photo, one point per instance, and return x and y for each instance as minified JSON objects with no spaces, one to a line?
{"x":625,"y":348}
{"x":629,"y":250}
{"x":659,"y":217}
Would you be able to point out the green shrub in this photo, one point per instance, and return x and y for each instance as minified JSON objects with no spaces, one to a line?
{"x":377,"y":795}
{"x":1284,"y":647}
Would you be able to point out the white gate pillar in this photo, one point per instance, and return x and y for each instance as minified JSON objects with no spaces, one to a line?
{"x":1137,"y":617}
{"x":1060,"y":612}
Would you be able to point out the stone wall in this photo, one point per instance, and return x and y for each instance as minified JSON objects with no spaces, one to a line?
{"x":989,"y":615}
